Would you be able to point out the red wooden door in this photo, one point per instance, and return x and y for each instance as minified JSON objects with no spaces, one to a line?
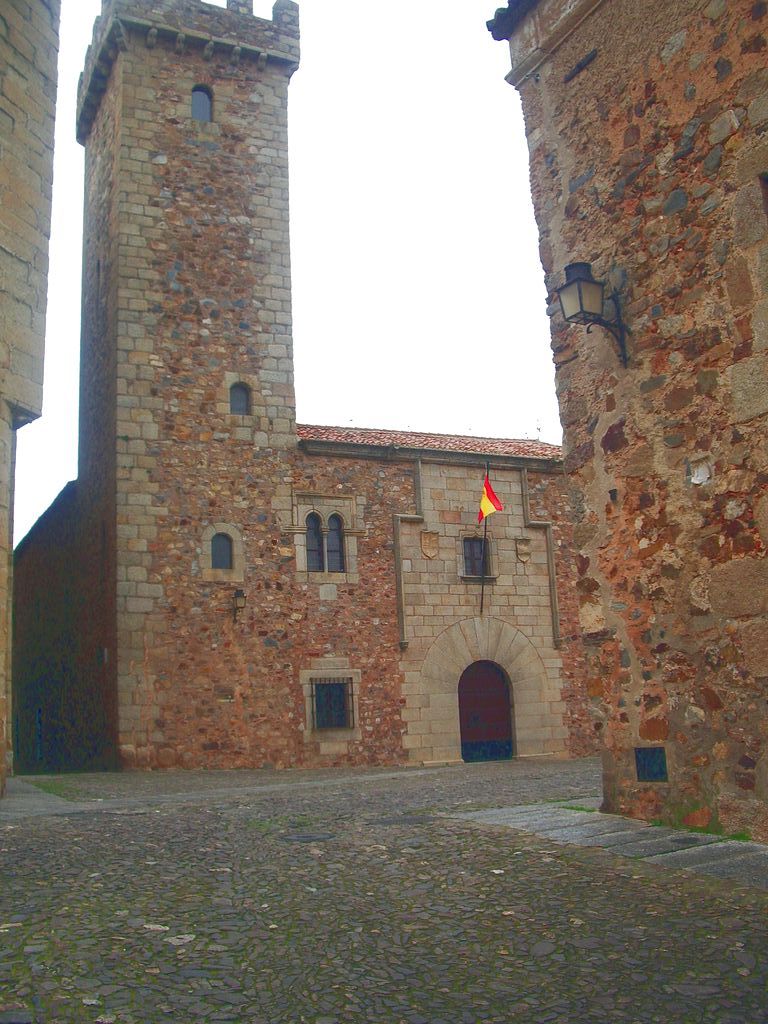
{"x":485,"y":713}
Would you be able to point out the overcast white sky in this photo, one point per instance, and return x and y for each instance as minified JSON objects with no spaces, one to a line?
{"x":418,"y":295}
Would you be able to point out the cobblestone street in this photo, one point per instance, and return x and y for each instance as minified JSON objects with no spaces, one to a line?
{"x":352,"y":896}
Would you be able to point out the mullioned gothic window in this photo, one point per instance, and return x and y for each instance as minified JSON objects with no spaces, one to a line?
{"x":325,"y":528}
{"x":325,"y":548}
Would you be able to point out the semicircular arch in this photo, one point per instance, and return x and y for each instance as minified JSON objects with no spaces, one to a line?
{"x":491,"y":639}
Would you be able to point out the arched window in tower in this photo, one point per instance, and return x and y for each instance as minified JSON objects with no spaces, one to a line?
{"x":202,"y":103}
{"x":240,"y":400}
{"x":221,"y":551}
{"x":315,"y":559}
{"x":335,"y":544}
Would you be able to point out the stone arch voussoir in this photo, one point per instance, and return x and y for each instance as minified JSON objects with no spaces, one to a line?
{"x":538,"y":719}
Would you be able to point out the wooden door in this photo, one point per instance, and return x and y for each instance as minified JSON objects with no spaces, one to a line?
{"x":485,"y":713}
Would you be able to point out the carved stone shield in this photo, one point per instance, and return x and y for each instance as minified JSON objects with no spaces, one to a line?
{"x":430,"y":543}
{"x":523,"y":548}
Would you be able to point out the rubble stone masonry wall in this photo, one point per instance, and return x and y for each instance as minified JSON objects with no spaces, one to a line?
{"x":187,"y":293}
{"x":196,"y":269}
{"x":648,"y":133}
{"x":29,"y":40}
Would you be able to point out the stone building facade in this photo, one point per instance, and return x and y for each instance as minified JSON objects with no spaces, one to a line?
{"x":221,"y":586}
{"x":647,"y":126}
{"x":29,"y":43}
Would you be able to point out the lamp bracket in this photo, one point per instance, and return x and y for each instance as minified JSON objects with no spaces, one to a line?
{"x":616,"y":327}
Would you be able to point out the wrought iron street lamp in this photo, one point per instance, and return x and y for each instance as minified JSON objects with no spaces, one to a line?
{"x":582,"y":299}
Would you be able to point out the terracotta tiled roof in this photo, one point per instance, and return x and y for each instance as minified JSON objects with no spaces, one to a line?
{"x":440,"y":442}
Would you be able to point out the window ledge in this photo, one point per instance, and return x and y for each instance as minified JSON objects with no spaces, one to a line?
{"x":332,"y":735}
{"x":223,"y":575}
{"x":478,"y":579}
{"x":305,"y":576}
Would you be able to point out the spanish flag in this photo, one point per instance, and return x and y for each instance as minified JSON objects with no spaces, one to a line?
{"x":489,"y":503}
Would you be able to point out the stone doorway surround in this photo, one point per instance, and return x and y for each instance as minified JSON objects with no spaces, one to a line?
{"x":431,"y":697}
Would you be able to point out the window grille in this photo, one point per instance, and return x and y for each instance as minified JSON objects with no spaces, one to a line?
{"x":332,"y":703}
{"x":474,"y":553}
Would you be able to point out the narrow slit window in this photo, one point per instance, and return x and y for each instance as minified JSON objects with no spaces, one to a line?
{"x":202,"y":103}
{"x":315,"y":560}
{"x":221,"y":551}
{"x":335,"y":544}
{"x":240,"y":400}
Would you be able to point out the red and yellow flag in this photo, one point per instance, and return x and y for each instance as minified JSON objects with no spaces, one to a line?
{"x":489,"y":503}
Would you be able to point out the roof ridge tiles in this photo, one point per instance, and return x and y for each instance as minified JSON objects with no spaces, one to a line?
{"x":386,"y":437}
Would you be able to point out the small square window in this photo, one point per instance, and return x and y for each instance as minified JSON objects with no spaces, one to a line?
{"x":651,"y":764}
{"x":332,"y":704}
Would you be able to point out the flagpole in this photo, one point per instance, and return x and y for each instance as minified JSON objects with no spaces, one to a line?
{"x":485,"y":541}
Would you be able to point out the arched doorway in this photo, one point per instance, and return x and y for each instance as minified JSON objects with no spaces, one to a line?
{"x":485,"y":713}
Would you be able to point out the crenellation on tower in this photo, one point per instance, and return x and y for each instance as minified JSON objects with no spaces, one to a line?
{"x":228,"y":35}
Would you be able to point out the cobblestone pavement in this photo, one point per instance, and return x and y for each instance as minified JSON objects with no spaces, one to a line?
{"x":334,"y":897}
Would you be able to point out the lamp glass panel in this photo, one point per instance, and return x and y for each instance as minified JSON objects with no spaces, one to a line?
{"x":592,"y":297}
{"x":569,"y":300}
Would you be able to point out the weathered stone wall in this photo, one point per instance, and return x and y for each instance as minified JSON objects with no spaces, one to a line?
{"x":228,"y":692}
{"x":649,"y":159}
{"x":63,"y":711}
{"x":29,"y":40}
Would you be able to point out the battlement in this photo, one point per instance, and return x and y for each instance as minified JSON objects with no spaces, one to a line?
{"x":224,"y":35}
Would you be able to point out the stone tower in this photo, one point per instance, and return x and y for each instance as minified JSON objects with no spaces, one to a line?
{"x":647,"y":132}
{"x":186,"y":292}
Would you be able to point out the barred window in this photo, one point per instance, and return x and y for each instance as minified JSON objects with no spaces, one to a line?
{"x":332,"y":703}
{"x":474,"y":554}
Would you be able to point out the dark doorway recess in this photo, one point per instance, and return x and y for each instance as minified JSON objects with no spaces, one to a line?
{"x":485,"y":713}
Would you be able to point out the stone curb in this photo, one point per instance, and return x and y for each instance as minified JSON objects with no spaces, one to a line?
{"x":743,"y":862}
